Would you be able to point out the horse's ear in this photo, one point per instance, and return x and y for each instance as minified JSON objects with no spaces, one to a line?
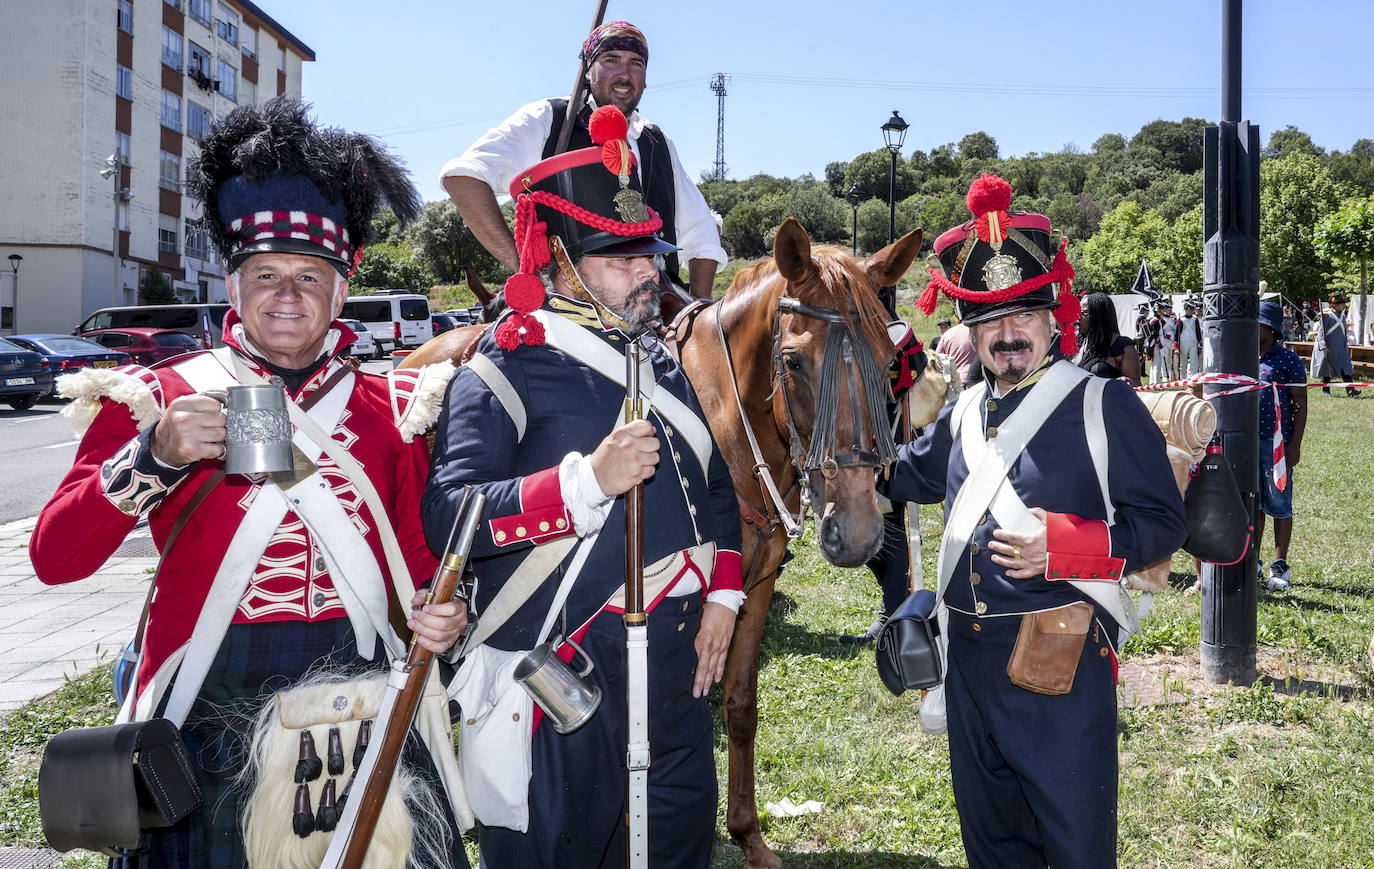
{"x":887,"y":266}
{"x":792,"y":250}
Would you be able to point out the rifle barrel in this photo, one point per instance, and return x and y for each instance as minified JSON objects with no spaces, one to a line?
{"x":579,"y":85}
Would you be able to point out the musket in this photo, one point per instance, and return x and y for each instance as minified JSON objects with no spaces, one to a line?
{"x":405,"y":686}
{"x":579,"y":85}
{"x":636,"y":645}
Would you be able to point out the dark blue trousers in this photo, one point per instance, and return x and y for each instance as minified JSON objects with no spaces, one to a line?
{"x":1034,"y":775}
{"x":577,"y":790}
{"x":891,"y":566}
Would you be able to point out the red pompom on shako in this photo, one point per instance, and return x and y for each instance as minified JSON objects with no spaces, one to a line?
{"x":1000,"y":262}
{"x":608,"y":123}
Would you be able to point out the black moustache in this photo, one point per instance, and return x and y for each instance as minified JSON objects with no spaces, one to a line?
{"x":1010,"y":346}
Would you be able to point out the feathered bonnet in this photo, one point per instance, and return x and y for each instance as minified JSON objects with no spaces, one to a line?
{"x":1002,"y":262}
{"x":581,"y":203}
{"x":272,"y":180}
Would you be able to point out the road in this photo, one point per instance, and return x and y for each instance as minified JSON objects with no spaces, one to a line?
{"x":37,"y":448}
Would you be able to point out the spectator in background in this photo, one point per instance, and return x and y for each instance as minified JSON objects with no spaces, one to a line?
{"x":957,"y":344}
{"x":944,"y":325}
{"x":1279,"y":365}
{"x":1331,"y":352}
{"x":1103,"y":350}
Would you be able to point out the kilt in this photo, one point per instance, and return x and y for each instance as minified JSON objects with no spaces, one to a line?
{"x":253,"y":662}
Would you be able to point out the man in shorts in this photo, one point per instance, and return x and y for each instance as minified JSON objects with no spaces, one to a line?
{"x":1282,"y":367}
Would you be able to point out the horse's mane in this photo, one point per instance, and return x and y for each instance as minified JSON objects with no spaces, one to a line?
{"x":842,"y":285}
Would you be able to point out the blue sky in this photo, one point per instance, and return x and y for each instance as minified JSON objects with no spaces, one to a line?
{"x":812,"y":81}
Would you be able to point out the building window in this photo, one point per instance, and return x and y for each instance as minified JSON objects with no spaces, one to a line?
{"x":171,"y":111}
{"x":126,"y":15}
{"x":171,"y":48}
{"x":169,"y":171}
{"x":175,"y":4}
{"x":281,"y":58}
{"x":197,"y":120}
{"x":228,"y":80}
{"x":227,"y":24}
{"x":197,"y":60}
{"x":122,"y":148}
{"x":197,"y":242}
{"x":249,"y":45}
{"x":167,"y":240}
{"x":123,"y":215}
{"x":200,"y":11}
{"x":124,"y":82}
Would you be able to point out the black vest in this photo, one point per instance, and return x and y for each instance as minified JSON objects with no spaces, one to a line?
{"x":655,"y":169}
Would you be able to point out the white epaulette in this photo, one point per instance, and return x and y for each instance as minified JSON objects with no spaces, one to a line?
{"x":133,"y":386}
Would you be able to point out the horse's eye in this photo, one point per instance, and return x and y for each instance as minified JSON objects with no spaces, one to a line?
{"x":793,"y":362}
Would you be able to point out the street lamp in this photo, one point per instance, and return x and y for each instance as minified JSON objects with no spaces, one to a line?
{"x":894,"y":132}
{"x":15,"y":260}
{"x":855,"y":196}
{"x":111,"y":170}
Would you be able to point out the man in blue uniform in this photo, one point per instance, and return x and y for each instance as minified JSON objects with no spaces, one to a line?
{"x":534,"y":423}
{"x":1057,"y":485}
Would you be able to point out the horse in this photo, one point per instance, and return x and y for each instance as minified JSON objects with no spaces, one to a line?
{"x":791,"y":362}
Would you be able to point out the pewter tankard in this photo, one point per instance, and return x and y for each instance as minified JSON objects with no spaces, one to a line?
{"x":558,"y":689}
{"x":259,"y":438}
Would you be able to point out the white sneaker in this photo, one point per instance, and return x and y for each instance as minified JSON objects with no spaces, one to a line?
{"x":1280,"y":576}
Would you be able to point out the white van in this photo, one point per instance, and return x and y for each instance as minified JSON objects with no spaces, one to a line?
{"x":396,"y":318}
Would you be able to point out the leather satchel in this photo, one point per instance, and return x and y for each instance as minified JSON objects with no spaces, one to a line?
{"x":98,"y":787}
{"x":1048,"y":646}
{"x":1219,"y":525}
{"x":908,"y":651}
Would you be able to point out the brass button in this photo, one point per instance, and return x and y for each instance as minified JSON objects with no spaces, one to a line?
{"x":977,"y":627}
{"x":1054,"y":574}
{"x":1112,"y":574}
{"x":500,"y":536}
{"x":698,"y":539}
{"x":992,"y":431}
{"x":127,"y":506}
{"x":319,"y":564}
{"x":668,"y":430}
{"x":980,"y":607}
{"x":975,"y":578}
{"x":471,"y":721}
{"x":685,"y":484}
{"x":677,"y":457}
{"x":1063,"y":627}
{"x":990,"y":405}
{"x":543,"y":526}
{"x":1095,"y":576}
{"x":520,"y":531}
{"x":684,"y":606}
{"x":1102,"y":652}
{"x":561,"y":523}
{"x":973,"y":548}
{"x":681,"y":625}
{"x":515,"y":717}
{"x":692,"y":508}
{"x":984,"y":520}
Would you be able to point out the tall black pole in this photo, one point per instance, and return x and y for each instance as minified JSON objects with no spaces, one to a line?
{"x":892,"y":197}
{"x":1231,"y":226}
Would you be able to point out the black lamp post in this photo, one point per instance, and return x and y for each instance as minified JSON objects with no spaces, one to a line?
{"x":15,"y":260}
{"x":894,"y":132}
{"x":855,"y":196}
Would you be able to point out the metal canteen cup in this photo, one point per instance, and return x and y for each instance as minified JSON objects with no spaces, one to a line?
{"x":558,"y":689}
{"x":259,"y":430}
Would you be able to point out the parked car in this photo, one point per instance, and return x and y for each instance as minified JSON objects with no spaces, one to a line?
{"x":25,"y":376}
{"x":203,"y":322}
{"x":445,"y":322}
{"x":462,"y":315}
{"x":145,"y":346}
{"x":364,"y":345}
{"x":397,"y":319}
{"x":66,"y":353}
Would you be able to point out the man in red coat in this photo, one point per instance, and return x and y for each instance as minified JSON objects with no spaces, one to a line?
{"x":263,"y":578}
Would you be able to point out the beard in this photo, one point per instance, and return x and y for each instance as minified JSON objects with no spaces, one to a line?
{"x":1012,"y":372}
{"x":642,"y":306}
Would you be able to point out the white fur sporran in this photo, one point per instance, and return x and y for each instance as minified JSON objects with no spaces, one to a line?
{"x":413,"y":824}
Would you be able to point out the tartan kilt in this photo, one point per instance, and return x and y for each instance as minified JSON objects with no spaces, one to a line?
{"x":253,"y":662}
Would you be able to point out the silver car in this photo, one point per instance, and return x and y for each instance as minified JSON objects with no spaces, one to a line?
{"x":364,"y":346}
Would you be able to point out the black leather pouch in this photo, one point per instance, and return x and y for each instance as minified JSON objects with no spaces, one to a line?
{"x":908,"y":653}
{"x":99,"y":787}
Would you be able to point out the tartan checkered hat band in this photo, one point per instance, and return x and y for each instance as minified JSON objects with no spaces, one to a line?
{"x":298,"y":226}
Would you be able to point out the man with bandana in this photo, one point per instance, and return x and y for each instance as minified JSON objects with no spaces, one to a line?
{"x":617,"y":57}
{"x":263,"y":578}
{"x":534,"y":421}
{"x":1056,"y":485}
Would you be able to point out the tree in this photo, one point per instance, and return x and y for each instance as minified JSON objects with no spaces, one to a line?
{"x":391,"y":266}
{"x":870,"y":172}
{"x":1178,"y":254}
{"x":1347,"y":234}
{"x":1296,"y":192}
{"x":1109,"y":143}
{"x":978,"y":146}
{"x":1178,"y":144}
{"x":447,"y":247}
{"x":155,"y":289}
{"x":1355,"y":168}
{"x":1109,"y":259}
{"x":834,"y":178}
{"x":1290,"y":140}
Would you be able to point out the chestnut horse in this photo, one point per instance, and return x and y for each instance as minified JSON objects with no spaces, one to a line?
{"x":790,"y":367}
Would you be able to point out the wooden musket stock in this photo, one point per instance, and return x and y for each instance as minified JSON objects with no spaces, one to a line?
{"x":416,"y":668}
{"x":579,"y":85}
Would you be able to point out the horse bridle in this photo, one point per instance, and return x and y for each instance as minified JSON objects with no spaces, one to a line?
{"x":841,"y":349}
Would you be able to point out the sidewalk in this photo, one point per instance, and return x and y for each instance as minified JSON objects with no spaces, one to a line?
{"x":48,"y":633}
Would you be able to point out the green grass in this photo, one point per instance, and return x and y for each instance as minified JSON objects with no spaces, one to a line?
{"x":1279,"y":775}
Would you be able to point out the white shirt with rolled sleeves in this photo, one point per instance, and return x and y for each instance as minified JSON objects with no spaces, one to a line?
{"x":518,"y":143}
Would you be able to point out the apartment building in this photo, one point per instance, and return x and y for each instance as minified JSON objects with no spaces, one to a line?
{"x":103,"y":101}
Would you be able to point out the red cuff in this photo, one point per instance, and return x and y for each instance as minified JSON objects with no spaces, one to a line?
{"x":728,"y":574}
{"x":1080,"y":549}
{"x":542,"y":516}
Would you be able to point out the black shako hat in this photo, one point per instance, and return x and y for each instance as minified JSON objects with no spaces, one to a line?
{"x":584,"y":203}
{"x":1002,"y":262}
{"x":272,"y":180}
